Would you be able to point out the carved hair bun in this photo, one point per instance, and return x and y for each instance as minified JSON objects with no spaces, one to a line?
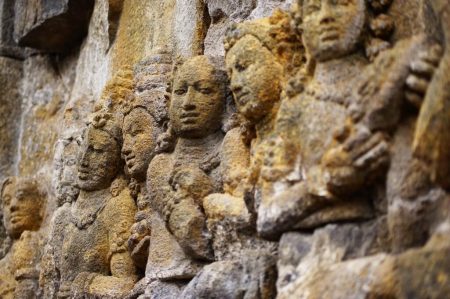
{"x":276,"y":33}
{"x":105,"y":121}
{"x":379,"y":5}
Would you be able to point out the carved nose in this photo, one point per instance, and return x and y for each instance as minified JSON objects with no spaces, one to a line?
{"x":84,"y":161}
{"x":187,"y":104}
{"x":326,"y":15}
{"x":13,"y":205}
{"x":235,"y":87}
{"x":126,"y":149}
{"x":188,"y":107}
{"x":326,"y":20}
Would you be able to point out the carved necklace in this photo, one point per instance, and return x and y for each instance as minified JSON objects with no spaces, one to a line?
{"x":82,"y":218}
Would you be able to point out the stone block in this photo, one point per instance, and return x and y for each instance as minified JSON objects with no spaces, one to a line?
{"x":8,"y":46}
{"x":52,"y":26}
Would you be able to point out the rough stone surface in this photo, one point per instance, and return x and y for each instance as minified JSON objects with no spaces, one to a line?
{"x":225,"y":149}
{"x":67,"y":21}
{"x":8,"y":47}
{"x":10,"y":105}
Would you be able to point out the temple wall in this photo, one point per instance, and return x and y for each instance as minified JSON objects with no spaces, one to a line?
{"x":224,"y":149}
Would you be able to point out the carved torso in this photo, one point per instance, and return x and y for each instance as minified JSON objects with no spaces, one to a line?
{"x":166,"y":258}
{"x":97,"y":239}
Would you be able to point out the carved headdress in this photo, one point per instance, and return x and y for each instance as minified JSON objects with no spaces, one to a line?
{"x":276,"y":34}
{"x":117,"y":89}
{"x":151,"y":79}
{"x":106,"y":121}
{"x":379,"y":25}
{"x":26,"y":185}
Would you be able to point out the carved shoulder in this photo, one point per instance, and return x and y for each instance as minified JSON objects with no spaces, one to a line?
{"x":235,"y":160}
{"x":120,"y":211}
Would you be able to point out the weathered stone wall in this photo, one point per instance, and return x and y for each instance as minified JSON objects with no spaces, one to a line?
{"x":225,"y":149}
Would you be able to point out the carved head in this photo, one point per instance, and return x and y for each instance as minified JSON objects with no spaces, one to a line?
{"x":336,"y":28}
{"x":333,"y":28}
{"x":140,"y":132}
{"x":144,"y":113}
{"x":22,"y":202}
{"x":65,"y":164}
{"x":259,"y":55}
{"x":198,"y":98}
{"x":99,"y":160}
{"x":117,"y":89}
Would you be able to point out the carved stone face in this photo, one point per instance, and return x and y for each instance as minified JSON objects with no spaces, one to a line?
{"x":138,"y":142}
{"x":21,"y":207}
{"x":255,"y":77}
{"x":333,"y":28}
{"x":99,"y":160}
{"x":197,"y":99}
{"x":66,"y":155}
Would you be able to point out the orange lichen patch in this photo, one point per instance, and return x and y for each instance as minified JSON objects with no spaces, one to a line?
{"x":132,"y":35}
{"x":118,"y":89}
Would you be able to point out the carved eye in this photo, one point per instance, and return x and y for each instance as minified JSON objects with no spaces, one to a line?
{"x":99,"y":150}
{"x":6,"y":200}
{"x":20,"y":195}
{"x":240,"y":66}
{"x":342,"y":2}
{"x":311,"y":8}
{"x":204,"y":89}
{"x":136,"y":132}
{"x":180,"y":91}
{"x":71,"y":162}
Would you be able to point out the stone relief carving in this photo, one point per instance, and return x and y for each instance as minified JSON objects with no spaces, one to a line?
{"x":173,"y":224}
{"x":338,"y":124}
{"x":269,"y":50}
{"x":90,"y":234}
{"x":23,"y":203}
{"x":310,"y":161}
{"x":65,"y":166}
{"x":144,"y":117}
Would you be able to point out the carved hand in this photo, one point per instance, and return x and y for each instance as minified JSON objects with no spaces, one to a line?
{"x":421,"y":72}
{"x":191,"y":181}
{"x":356,"y":160}
{"x":64,"y":291}
{"x":139,"y":241}
{"x":278,"y":160}
{"x":79,"y":287}
{"x":26,"y":288}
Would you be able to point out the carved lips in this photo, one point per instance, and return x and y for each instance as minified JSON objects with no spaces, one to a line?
{"x":16,"y":217}
{"x":242,"y":97}
{"x":83,"y":174}
{"x":129,"y":160}
{"x":189,"y":117}
{"x":329,"y":33}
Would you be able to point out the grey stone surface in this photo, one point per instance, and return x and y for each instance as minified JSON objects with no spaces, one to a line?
{"x":300,"y":253}
{"x":10,"y":109}
{"x":251,"y":276}
{"x":67,"y":20}
{"x":343,"y":161}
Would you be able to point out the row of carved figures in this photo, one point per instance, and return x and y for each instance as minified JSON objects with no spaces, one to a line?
{"x":189,"y":172}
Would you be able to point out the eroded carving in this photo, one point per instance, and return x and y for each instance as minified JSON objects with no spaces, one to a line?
{"x":179,"y":179}
{"x":338,"y":124}
{"x":23,"y":203}
{"x":261,"y":55}
{"x":90,"y":235}
{"x":335,"y":144}
{"x":145,"y":115}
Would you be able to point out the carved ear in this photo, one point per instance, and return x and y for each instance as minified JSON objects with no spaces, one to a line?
{"x":5,"y":183}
